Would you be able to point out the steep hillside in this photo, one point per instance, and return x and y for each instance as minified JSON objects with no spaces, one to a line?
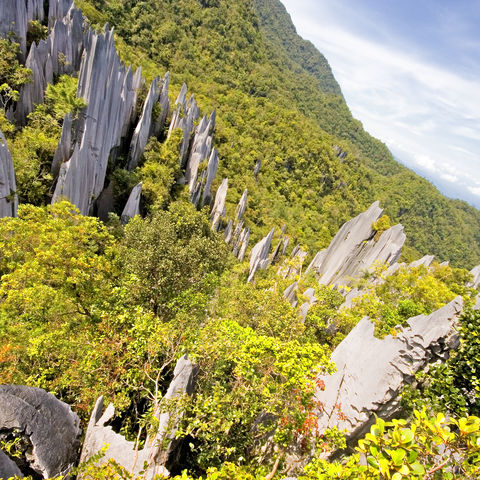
{"x":279,"y":103}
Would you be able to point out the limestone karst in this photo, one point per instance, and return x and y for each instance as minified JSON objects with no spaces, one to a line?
{"x":8,"y":188}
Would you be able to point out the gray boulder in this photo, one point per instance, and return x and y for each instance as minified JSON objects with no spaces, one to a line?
{"x":8,"y":186}
{"x":371,"y":372}
{"x":8,"y":468}
{"x":46,"y":423}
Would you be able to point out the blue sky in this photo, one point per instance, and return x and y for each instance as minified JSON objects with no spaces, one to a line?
{"x":410,"y":71}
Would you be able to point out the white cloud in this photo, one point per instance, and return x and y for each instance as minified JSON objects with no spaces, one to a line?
{"x":475,"y":190}
{"x":428,"y":113}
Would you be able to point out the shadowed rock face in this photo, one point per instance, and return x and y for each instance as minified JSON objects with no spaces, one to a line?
{"x":45,"y":423}
{"x":8,"y":186}
{"x":371,"y":371}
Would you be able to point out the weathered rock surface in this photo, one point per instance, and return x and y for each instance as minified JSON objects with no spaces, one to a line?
{"x":200,"y":151}
{"x":154,"y":454}
{"x":290,"y":294}
{"x":371,"y":371}
{"x":209,"y":176}
{"x":132,"y":207}
{"x":476,"y":276}
{"x":184,"y":117}
{"x":60,"y":53}
{"x":259,"y":255}
{"x":8,"y":468}
{"x":147,"y":125}
{"x":8,"y":186}
{"x":107,"y":88}
{"x":426,"y":261}
{"x":47,"y":423}
{"x":354,"y":249}
{"x":242,"y":206}
{"x":218,"y":210}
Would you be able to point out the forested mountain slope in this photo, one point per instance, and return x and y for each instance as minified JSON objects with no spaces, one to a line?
{"x":278,"y":102}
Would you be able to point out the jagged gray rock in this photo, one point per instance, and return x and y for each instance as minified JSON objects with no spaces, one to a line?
{"x":218,"y":210}
{"x":106,"y":87}
{"x":229,"y":231}
{"x":242,"y":206}
{"x":132,"y":207}
{"x":210,"y":175}
{"x":311,"y":300}
{"x":292,"y":267}
{"x":259,"y":255}
{"x":13,"y":18}
{"x":184,"y":117}
{"x":155,"y":454}
{"x":47,"y":423}
{"x":354,"y":249}
{"x":316,"y":262}
{"x":200,"y":150}
{"x":147,"y":125}
{"x":60,"y":53}
{"x":8,"y":186}
{"x":290,"y":294}
{"x":476,"y":276}
{"x":64,"y":149}
{"x":164,"y":102}
{"x":426,"y":261}
{"x":371,"y":371}
{"x":244,"y":239}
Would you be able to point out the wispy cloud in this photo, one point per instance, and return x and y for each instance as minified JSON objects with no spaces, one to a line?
{"x":428,"y":114}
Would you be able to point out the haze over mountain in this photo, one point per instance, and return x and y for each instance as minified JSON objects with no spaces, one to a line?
{"x":409,"y":71}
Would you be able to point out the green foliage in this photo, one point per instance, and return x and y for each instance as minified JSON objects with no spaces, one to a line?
{"x":453,"y":386}
{"x":427,"y":448}
{"x":160,"y":169}
{"x":250,"y":386}
{"x":403,"y":295}
{"x":170,"y":253}
{"x":12,"y":74}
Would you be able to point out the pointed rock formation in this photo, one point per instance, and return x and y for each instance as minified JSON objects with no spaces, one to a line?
{"x":8,"y":186}
{"x":184,"y":117}
{"x":476,"y":276}
{"x":426,"y":261}
{"x":355,"y":250}
{"x":60,"y":53}
{"x":259,"y":255}
{"x":106,"y":87}
{"x":371,"y":371}
{"x":146,"y":125}
{"x":242,"y":206}
{"x":49,"y":426}
{"x":218,"y":210}
{"x":159,"y":451}
{"x":132,"y":207}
